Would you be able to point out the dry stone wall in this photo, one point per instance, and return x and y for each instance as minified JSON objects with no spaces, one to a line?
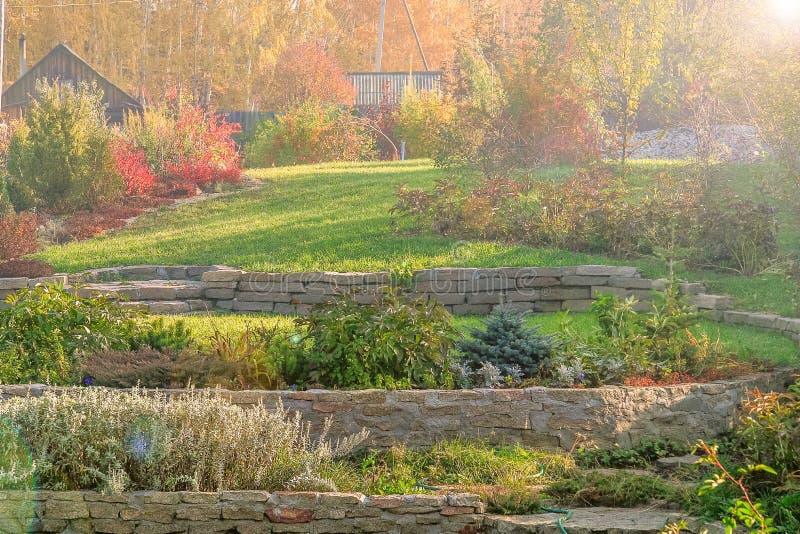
{"x":243,"y":512}
{"x":536,"y":417}
{"x":463,"y":291}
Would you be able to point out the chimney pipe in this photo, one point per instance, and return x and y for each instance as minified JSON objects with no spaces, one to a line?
{"x":23,"y":56}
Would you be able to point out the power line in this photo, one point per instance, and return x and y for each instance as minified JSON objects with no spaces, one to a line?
{"x":77,"y":4}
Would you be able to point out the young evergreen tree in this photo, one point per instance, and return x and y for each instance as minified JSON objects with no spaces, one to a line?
{"x":507,"y":343}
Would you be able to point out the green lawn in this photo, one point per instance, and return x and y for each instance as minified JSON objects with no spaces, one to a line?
{"x":336,"y":217}
{"x":745,"y":341}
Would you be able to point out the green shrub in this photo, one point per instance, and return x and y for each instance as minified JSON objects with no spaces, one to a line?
{"x":755,"y":472}
{"x":6,"y":206}
{"x":460,"y":461}
{"x":513,"y":500}
{"x":769,"y":432}
{"x":98,"y":439}
{"x":47,"y":329}
{"x":640,"y":456}
{"x":739,"y":236}
{"x":777,"y":105}
{"x":518,"y":351}
{"x":655,"y":339}
{"x":396,"y":341}
{"x":160,"y":335}
{"x":654,"y":346}
{"x":248,"y":354}
{"x":482,"y":133}
{"x":622,"y":489}
{"x":419,"y":119}
{"x":60,"y":157}
{"x":310,"y":132}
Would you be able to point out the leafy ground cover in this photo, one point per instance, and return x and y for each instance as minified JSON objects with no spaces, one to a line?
{"x":336,"y":217}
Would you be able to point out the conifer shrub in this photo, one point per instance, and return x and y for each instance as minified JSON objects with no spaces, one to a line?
{"x":508,"y":344}
{"x":59,"y":158}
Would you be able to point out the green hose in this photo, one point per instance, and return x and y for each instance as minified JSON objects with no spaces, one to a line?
{"x":560,"y":524}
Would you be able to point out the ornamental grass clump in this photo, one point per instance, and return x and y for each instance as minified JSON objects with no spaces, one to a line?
{"x":106,"y":440}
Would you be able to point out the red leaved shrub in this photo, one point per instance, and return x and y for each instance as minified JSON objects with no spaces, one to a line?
{"x":132,"y":166}
{"x":177,"y":152}
{"x":25,"y":268}
{"x":19,"y":234}
{"x":552,"y":114}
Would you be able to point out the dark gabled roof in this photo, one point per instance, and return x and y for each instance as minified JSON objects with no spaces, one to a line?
{"x":64,"y":64}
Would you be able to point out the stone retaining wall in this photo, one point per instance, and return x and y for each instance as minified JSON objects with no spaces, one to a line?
{"x":243,"y":512}
{"x":788,"y":326}
{"x":536,"y":417}
{"x":463,"y":291}
{"x":144,"y":272}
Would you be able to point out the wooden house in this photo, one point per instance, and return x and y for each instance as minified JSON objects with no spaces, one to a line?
{"x":63,"y":64}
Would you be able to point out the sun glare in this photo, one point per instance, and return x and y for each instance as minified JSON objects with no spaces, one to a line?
{"x":786,"y":10}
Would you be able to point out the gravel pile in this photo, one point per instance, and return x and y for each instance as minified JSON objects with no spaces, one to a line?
{"x":737,"y":143}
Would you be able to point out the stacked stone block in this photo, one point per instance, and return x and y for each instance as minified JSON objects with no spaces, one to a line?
{"x":143,"y":273}
{"x":243,"y":512}
{"x":788,"y":326}
{"x":463,"y":291}
{"x":537,"y":417}
{"x":9,"y":286}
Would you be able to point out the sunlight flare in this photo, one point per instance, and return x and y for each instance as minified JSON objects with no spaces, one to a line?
{"x":786,"y":10}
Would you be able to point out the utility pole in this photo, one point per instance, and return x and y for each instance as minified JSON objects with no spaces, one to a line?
{"x":2,"y":47}
{"x":416,"y":35}
{"x":379,"y":50}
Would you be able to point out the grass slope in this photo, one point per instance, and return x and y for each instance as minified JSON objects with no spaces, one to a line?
{"x":336,"y":217}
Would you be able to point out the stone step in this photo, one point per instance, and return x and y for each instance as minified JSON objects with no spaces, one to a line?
{"x":172,"y":307}
{"x":598,"y":520}
{"x":149,"y":290}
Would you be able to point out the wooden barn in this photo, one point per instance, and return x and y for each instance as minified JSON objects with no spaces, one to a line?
{"x":65,"y":65}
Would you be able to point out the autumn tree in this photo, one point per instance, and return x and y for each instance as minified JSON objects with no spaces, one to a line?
{"x":552,"y":112}
{"x":306,"y":71}
{"x":619,"y":44}
{"x":769,"y":71}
